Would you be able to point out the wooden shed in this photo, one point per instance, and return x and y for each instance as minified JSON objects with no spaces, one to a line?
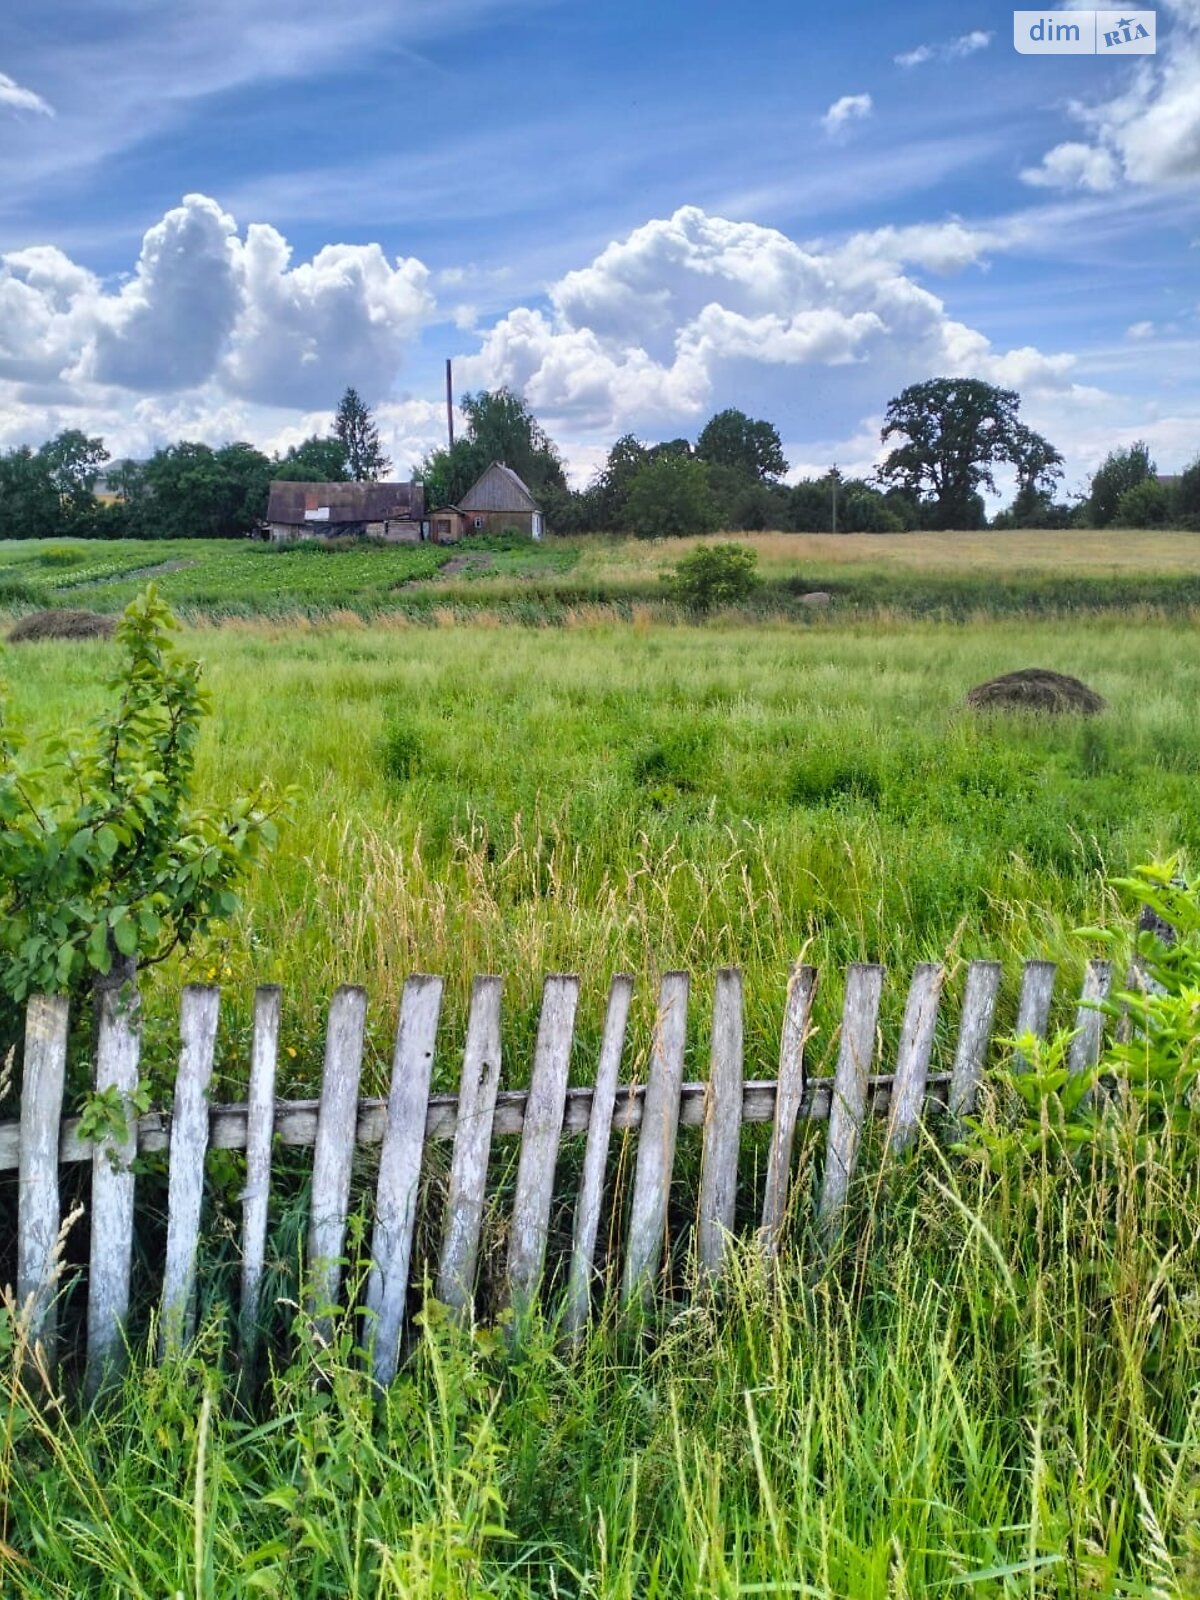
{"x":497,"y":500}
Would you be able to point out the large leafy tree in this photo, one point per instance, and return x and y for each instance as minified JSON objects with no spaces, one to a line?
{"x":105,"y":862}
{"x":669,"y":496}
{"x":953,"y":432}
{"x":314,"y":460}
{"x":48,"y":492}
{"x":499,"y":427}
{"x":191,"y":491}
{"x":1121,"y":471}
{"x":752,"y":448}
{"x":355,"y":429}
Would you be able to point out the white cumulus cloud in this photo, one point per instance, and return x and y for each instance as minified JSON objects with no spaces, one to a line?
{"x":1149,"y":132}
{"x":967,"y":44}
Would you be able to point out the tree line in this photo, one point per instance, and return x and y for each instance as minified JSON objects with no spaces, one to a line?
{"x":946,"y":438}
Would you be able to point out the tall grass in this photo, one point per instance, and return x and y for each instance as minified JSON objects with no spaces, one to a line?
{"x":990,"y":1387}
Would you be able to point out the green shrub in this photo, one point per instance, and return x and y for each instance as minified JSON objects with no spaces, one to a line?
{"x":60,"y":555}
{"x":714,"y":575}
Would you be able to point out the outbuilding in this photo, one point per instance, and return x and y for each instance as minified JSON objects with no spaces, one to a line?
{"x":497,"y":500}
{"x":392,"y":511}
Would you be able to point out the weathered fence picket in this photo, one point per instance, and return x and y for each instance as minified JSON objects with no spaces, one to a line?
{"x":333,"y":1152}
{"x":789,"y":1096}
{"x":974,"y":1036}
{"x":400,"y":1169}
{"x":722,"y":1125}
{"x":118,"y":1052}
{"x":656,"y":1143}
{"x":189,"y":1146}
{"x":864,"y":987}
{"x":472,"y":1146}
{"x":542,"y":1116}
{"x":38,"y":1209}
{"x":912,"y":1058}
{"x":589,"y":1204}
{"x":260,"y":1129}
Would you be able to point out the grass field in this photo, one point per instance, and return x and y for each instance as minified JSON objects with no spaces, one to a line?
{"x":993,"y":1390}
{"x":949,"y":575}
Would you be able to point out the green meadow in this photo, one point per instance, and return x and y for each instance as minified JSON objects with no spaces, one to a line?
{"x":991,"y":1388}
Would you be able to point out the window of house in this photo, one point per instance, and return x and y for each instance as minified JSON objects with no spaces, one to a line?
{"x":479,"y":522}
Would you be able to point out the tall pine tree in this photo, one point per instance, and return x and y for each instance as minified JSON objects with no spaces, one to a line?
{"x":355,"y":427}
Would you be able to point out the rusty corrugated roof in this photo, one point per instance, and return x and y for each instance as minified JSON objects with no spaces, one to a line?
{"x":345,"y":502}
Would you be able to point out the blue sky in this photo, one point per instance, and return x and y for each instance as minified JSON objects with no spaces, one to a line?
{"x":214,"y":217}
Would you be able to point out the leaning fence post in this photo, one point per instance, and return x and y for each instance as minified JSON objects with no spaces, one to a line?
{"x":722,"y":1125}
{"x":472,"y":1145}
{"x":540,"y":1134}
{"x":912,"y":1058}
{"x":974,"y":1035}
{"x":1033,"y":1009}
{"x":1089,"y":1019}
{"x":117,"y":1055}
{"x":656,"y":1140}
{"x":400,"y":1170}
{"x":864,"y":986}
{"x":595,"y":1157}
{"x":789,"y":1094}
{"x":333,"y":1152}
{"x":38,"y":1211}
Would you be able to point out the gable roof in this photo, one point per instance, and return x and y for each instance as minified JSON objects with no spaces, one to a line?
{"x":333,"y":503}
{"x":498,"y":489}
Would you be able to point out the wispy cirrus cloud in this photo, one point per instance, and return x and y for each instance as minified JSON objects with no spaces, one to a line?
{"x":850,"y":108}
{"x":17,"y":97}
{"x":967,"y":44}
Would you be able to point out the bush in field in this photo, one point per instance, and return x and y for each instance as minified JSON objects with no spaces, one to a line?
{"x":714,"y":575}
{"x":105,"y":864}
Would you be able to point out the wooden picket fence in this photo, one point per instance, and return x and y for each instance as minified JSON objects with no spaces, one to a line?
{"x":541,"y":1115}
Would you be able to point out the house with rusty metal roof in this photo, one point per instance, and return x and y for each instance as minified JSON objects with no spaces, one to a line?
{"x":393,"y":511}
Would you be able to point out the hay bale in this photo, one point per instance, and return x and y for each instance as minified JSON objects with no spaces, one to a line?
{"x":1035,"y":689}
{"x":62,"y":625}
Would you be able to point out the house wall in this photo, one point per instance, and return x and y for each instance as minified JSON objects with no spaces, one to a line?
{"x":446,"y":527}
{"x":496,"y":521}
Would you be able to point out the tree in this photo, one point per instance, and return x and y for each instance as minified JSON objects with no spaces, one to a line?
{"x":1145,"y":505}
{"x":714,"y":575}
{"x":355,"y":429}
{"x":73,"y":462}
{"x":501,"y":427}
{"x":29,"y":504}
{"x":314,"y":460}
{"x":1120,"y":471}
{"x":954,"y":432}
{"x":732,"y":439}
{"x":105,"y":863}
{"x":192,"y":491}
{"x":448,"y":474}
{"x":626,"y":459}
{"x":1186,"y":500}
{"x":670,"y":496}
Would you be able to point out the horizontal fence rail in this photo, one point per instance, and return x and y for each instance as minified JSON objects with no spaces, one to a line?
{"x":541,"y":1116}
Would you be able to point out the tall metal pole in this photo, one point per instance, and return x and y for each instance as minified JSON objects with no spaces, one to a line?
{"x":449,"y":403}
{"x":833,"y":479}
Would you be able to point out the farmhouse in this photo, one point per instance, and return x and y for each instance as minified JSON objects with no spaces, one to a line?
{"x":393,"y":511}
{"x":496,"y":500}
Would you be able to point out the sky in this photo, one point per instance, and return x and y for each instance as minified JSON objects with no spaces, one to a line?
{"x":213,"y":218}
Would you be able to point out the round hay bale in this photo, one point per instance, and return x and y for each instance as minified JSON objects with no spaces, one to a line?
{"x":62,"y":625}
{"x":1035,"y":689}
